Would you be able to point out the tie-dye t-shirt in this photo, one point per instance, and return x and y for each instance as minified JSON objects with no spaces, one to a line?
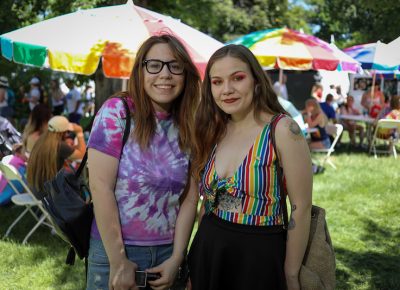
{"x":149,"y":182}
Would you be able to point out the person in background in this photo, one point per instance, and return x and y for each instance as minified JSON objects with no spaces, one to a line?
{"x":351,"y":126}
{"x":316,"y":92}
{"x":393,"y":114}
{"x":373,"y":100}
{"x":50,"y":152}
{"x":74,"y":102}
{"x":3,"y":97}
{"x":316,"y":118}
{"x":328,"y":109}
{"x":35,"y":93}
{"x":144,"y":198}
{"x":7,"y":99}
{"x":57,"y":97}
{"x":36,"y":126}
{"x":88,"y":96}
{"x":241,"y":243}
{"x":281,"y":89}
{"x":18,"y":161}
{"x":340,"y":98}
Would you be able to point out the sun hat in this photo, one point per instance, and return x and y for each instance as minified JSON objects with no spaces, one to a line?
{"x":4,"y":81}
{"x":34,"y":81}
{"x":59,"y":124}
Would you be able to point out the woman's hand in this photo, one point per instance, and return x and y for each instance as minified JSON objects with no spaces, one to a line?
{"x":77,"y":128}
{"x":122,"y":275}
{"x":168,"y":270}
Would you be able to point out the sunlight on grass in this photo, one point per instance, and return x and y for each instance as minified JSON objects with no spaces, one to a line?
{"x":362,"y":202}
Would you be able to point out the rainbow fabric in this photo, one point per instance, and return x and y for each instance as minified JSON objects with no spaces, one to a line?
{"x":288,"y":49}
{"x":78,"y":41}
{"x":255,"y":183}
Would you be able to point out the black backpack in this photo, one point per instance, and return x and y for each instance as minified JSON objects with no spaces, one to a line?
{"x":67,"y":200}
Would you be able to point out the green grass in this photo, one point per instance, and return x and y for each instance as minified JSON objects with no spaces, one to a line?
{"x":362,"y":202}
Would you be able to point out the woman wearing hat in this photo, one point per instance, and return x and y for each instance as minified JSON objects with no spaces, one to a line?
{"x":43,"y":163}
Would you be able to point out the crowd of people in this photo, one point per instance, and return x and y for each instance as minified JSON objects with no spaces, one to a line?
{"x":67,"y":99}
{"x":226,"y":139}
{"x":320,"y":112}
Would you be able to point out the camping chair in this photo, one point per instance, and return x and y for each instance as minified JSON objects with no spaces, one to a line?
{"x":391,"y":138}
{"x":335,"y":131}
{"x":26,"y":199}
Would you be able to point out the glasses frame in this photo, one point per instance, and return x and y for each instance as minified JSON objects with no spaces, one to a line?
{"x":163,"y":63}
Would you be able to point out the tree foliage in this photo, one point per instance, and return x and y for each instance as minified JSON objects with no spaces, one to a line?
{"x":356,"y":21}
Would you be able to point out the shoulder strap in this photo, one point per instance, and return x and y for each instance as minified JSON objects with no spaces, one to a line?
{"x":274,"y":121}
{"x":124,"y":138}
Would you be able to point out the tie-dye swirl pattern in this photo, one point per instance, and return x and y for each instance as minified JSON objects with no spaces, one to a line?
{"x":149,"y":182}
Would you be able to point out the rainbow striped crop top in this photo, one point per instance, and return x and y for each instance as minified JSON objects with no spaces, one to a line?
{"x":253,"y":190}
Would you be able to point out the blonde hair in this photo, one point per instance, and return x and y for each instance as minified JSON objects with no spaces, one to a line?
{"x":317,"y":109}
{"x":42,"y":164}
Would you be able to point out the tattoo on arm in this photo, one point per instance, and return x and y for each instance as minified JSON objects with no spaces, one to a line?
{"x":292,"y":223}
{"x":295,"y":130}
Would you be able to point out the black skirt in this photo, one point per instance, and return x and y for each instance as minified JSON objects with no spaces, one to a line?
{"x":232,"y":256}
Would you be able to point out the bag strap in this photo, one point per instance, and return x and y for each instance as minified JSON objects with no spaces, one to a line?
{"x":274,"y":121}
{"x":124,"y":138}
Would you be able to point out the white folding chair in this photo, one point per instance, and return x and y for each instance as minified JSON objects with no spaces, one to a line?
{"x":26,"y":199}
{"x":334,"y":130}
{"x":390,"y":125}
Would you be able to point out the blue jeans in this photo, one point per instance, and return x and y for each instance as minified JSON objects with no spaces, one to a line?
{"x":99,"y":268}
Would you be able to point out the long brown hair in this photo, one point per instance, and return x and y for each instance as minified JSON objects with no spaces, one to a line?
{"x":42,"y":164}
{"x":211,"y":121}
{"x":39,"y":116}
{"x":183,"y":107}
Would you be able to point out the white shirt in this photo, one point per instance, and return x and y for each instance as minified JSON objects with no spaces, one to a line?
{"x":72,"y":98}
{"x":281,"y":90}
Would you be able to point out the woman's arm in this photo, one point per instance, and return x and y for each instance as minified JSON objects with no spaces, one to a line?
{"x":296,"y":163}
{"x":183,"y":230}
{"x":317,"y":121}
{"x":102,"y":177}
{"x":80,"y":148}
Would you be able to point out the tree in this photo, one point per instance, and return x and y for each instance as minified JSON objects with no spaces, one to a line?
{"x":355,"y":21}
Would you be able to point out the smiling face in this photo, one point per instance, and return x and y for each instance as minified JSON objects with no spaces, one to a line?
{"x":163,"y":87}
{"x":232,"y":86}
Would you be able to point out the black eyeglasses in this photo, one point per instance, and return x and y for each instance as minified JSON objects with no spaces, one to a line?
{"x":154,"y":66}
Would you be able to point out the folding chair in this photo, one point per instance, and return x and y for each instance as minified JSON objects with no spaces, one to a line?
{"x":391,"y":138}
{"x":334,"y":130}
{"x":26,"y":199}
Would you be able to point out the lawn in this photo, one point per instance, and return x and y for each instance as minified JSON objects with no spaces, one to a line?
{"x":362,"y":202}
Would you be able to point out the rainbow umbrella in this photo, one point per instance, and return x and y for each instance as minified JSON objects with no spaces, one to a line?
{"x":77,"y":41}
{"x":375,"y":56}
{"x":284,"y":48}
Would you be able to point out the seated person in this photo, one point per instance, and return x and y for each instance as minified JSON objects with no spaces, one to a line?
{"x":18,"y":160}
{"x":36,"y":126}
{"x":50,"y":152}
{"x":351,"y":126}
{"x":328,"y":109}
{"x":316,"y":118}
{"x":373,"y":100}
{"x":393,"y":114}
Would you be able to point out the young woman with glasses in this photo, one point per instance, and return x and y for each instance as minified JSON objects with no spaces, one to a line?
{"x":144,"y":198}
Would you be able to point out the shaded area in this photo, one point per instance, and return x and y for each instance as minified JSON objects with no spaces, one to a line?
{"x":379,"y":267}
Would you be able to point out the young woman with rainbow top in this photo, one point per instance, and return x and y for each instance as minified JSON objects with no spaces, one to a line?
{"x":241,"y":242}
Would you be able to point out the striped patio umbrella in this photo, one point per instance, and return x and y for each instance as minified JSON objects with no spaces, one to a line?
{"x":77,"y":41}
{"x":375,"y":56}
{"x":287,"y":49}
